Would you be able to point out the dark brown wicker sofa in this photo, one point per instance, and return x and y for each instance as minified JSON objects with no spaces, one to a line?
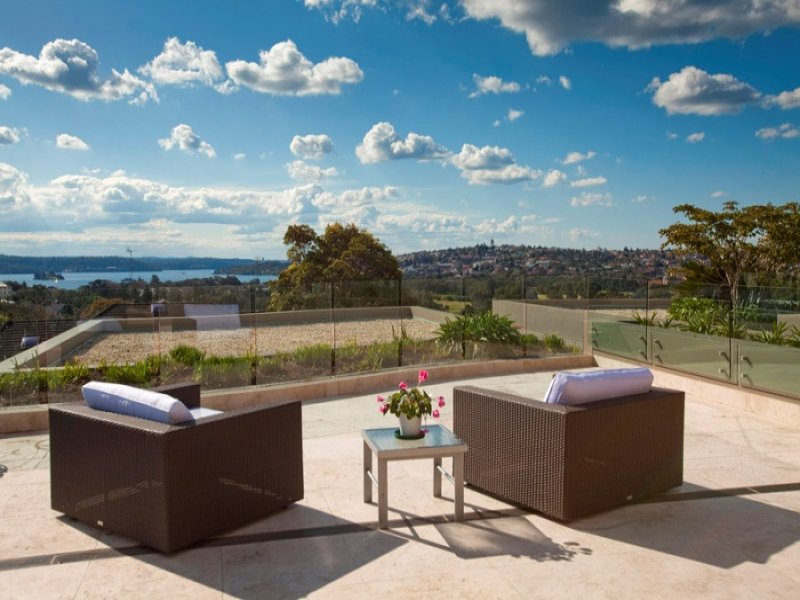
{"x":571,"y":461}
{"x":169,"y":486}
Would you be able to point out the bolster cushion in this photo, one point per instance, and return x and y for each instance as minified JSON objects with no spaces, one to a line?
{"x":135,"y":402}
{"x":589,"y":386}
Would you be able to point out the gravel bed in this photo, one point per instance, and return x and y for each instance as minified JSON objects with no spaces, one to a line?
{"x":130,"y":347}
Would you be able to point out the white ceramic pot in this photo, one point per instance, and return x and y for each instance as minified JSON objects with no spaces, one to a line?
{"x":410,"y":427}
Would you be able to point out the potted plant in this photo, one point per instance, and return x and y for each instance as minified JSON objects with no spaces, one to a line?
{"x":411,"y":405}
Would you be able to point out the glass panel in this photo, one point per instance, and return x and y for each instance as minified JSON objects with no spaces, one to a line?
{"x":369,"y":326}
{"x":433,"y":302}
{"x":770,"y":367}
{"x":552,"y":315}
{"x":623,"y":339}
{"x":707,"y":355}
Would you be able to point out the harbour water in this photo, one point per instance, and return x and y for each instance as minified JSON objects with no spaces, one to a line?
{"x":74,"y":280}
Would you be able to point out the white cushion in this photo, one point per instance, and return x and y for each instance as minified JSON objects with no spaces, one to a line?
{"x":589,"y":386}
{"x":127,"y":400}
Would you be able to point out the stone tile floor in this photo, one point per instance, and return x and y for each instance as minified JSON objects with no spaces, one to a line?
{"x":730,"y":531}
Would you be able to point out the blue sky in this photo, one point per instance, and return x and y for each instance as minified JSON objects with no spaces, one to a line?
{"x":206,"y":128}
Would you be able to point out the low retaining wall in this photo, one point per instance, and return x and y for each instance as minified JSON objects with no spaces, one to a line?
{"x":35,"y":417}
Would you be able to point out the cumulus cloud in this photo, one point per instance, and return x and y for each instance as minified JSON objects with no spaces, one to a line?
{"x":355,"y":198}
{"x":302,"y":171}
{"x":553,"y":178}
{"x":589,"y":182}
{"x":549,"y":26}
{"x":492,"y":85}
{"x":284,"y":70}
{"x":576,"y":157}
{"x":642,"y":199}
{"x":785,"y":100}
{"x":785,"y":131}
{"x":490,"y":164}
{"x":591,"y":199}
{"x":9,"y":135}
{"x":71,"y":67}
{"x":70,"y":142}
{"x":718,"y":194}
{"x":565,"y":83}
{"x":183,"y":64}
{"x":239,"y":156}
{"x":672,"y":136}
{"x":381,"y":143}
{"x":311,"y":147}
{"x":694,"y":138}
{"x":692,"y":91}
{"x":5,"y":92}
{"x":185,"y":139}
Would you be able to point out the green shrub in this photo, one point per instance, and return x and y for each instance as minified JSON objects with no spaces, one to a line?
{"x":186,"y":355}
{"x":479,"y":327}
{"x":553,"y":342}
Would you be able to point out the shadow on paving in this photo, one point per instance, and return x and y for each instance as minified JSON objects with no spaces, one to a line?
{"x":718,"y":527}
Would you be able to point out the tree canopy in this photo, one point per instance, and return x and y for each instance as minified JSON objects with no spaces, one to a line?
{"x":341,"y":253}
{"x":722,"y":247}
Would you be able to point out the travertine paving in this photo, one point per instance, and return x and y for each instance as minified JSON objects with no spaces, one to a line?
{"x":731,"y":531}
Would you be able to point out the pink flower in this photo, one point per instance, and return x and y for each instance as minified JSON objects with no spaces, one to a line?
{"x":403,"y":386}
{"x":383,"y":409}
{"x":381,"y":398}
{"x":435,"y":413}
{"x":441,"y":401}
{"x":423,"y":375}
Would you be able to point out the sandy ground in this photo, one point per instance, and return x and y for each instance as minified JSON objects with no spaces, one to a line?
{"x":130,"y":347}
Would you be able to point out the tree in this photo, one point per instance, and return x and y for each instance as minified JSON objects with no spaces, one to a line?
{"x":721,"y":247}
{"x":342,"y":253}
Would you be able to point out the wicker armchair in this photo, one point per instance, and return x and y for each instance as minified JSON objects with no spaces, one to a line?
{"x":570,"y":461}
{"x":169,"y":486}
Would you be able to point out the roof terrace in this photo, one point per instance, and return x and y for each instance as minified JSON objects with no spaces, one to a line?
{"x":731,"y":530}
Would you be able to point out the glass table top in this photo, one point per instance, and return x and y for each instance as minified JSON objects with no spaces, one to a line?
{"x":437,"y":436}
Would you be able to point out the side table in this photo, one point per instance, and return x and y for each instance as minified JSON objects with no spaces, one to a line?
{"x":437,"y":443}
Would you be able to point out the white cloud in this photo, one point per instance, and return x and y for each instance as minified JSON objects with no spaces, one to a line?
{"x":553,"y":178}
{"x":490,"y":164}
{"x":544,"y":79}
{"x":642,"y":199}
{"x":336,"y":10}
{"x":492,"y":85}
{"x":785,"y":131}
{"x":496,"y":123}
{"x":9,"y":135}
{"x":354,"y":198}
{"x":420,"y":9}
{"x":718,"y":194}
{"x":183,"y":64}
{"x":239,"y":156}
{"x":694,"y":138}
{"x":71,"y":67}
{"x":184,"y":138}
{"x":550,"y":26}
{"x":5,"y":92}
{"x":577,"y":234}
{"x":591,"y":199}
{"x":311,"y":146}
{"x":787,"y":100}
{"x":565,"y":83}
{"x":692,"y":91}
{"x":514,"y":114}
{"x":576,"y":157}
{"x":284,"y":70}
{"x":302,"y":171}
{"x":672,"y":136}
{"x":70,"y":142}
{"x":381,"y":143}
{"x":589,"y":182}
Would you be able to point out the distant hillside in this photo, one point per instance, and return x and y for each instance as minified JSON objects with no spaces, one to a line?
{"x":35,"y":264}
